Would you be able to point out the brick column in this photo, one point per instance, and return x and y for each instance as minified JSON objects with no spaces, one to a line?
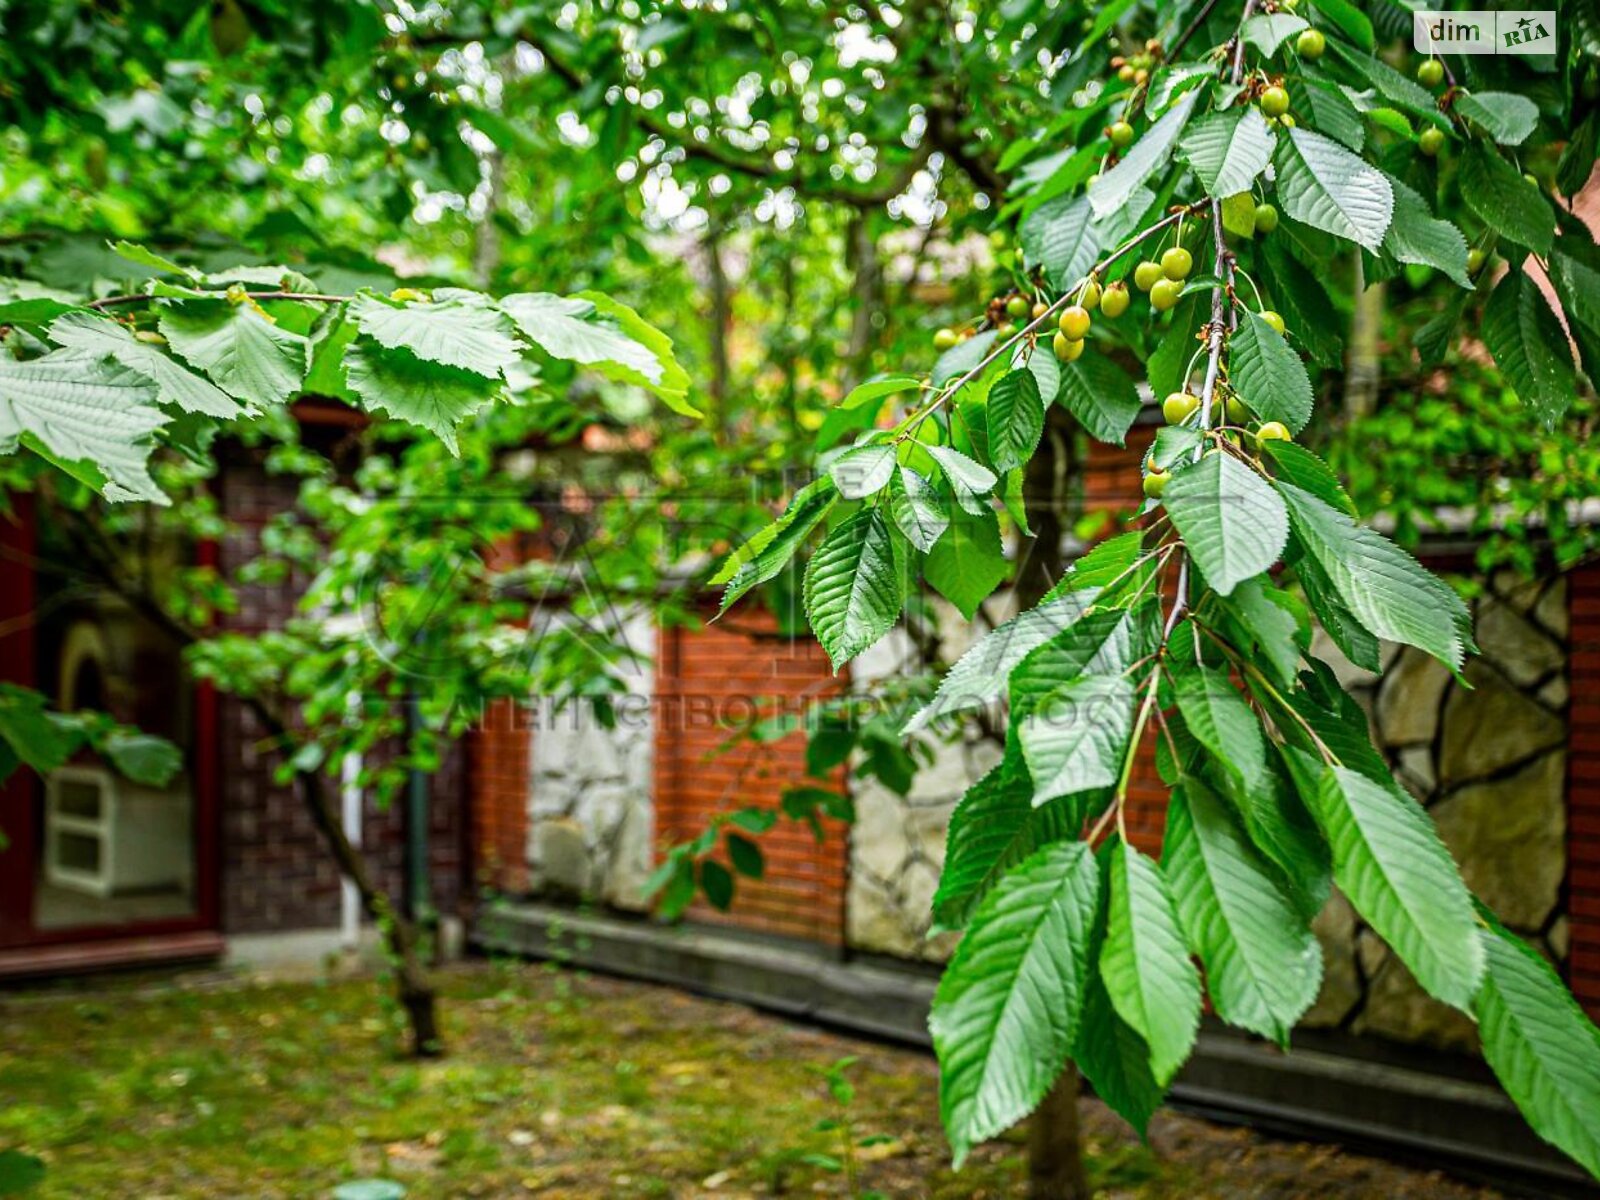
{"x":1583,"y":787}
{"x":499,"y":769}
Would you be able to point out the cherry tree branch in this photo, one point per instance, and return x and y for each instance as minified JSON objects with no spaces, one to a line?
{"x":140,"y":297}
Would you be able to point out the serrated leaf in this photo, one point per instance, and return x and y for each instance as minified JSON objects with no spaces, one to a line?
{"x":1101,"y":395}
{"x":961,"y":358}
{"x":1114,"y":189}
{"x":769,"y":550}
{"x":1268,"y":31}
{"x":863,"y":471}
{"x":1232,"y":521}
{"x":82,"y":407}
{"x":1238,"y":218}
{"x":175,"y":384}
{"x":145,"y":257}
{"x":1386,"y":589}
{"x":877,"y":389}
{"x":1390,"y":864}
{"x":572,"y":328}
{"x":1145,"y":964}
{"x":1016,"y":419}
{"x":1394,"y":87}
{"x":1540,"y":1045}
{"x":917,"y":509}
{"x":1302,"y":301}
{"x":1060,"y":235}
{"x":1508,"y":118}
{"x":971,"y":481}
{"x":1268,"y":374}
{"x":1417,"y":236}
{"x":1504,"y":200}
{"x":854,"y":586}
{"x":1005,"y":1015}
{"x":979,"y":676}
{"x":1329,"y":111}
{"x":430,"y":395}
{"x":1264,"y":613}
{"x":994,"y":827}
{"x":968,"y":561}
{"x":1324,"y":185}
{"x":1530,"y":346}
{"x":1076,"y":738}
{"x":458,"y":333}
{"x":1349,"y":19}
{"x":1229,"y":149}
{"x":1263,"y":964}
{"x":247,"y":355}
{"x":1116,"y":1060}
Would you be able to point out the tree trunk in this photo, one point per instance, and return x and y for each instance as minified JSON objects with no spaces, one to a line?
{"x":1055,"y":1150}
{"x":1363,"y":363}
{"x":866,"y":294}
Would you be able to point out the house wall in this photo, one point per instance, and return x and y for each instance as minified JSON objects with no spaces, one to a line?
{"x":276,"y":875}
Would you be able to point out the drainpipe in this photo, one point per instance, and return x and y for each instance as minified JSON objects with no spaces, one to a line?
{"x":349,"y":898}
{"x":419,"y":905}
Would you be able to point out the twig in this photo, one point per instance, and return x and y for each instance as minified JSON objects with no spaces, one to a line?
{"x":140,"y":297}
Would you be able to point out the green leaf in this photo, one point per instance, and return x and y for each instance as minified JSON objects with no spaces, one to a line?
{"x":877,"y":388}
{"x":1394,"y":87}
{"x":994,"y":827}
{"x":1232,"y":521}
{"x":961,"y":358}
{"x":1504,"y":200}
{"x":717,"y":883}
{"x":144,"y":758}
{"x":1060,"y":235}
{"x":1384,"y":587}
{"x":1229,"y":149}
{"x":1263,"y":964}
{"x":769,"y":550}
{"x":1390,"y":864}
{"x":1349,"y":20}
{"x":1116,"y":1060}
{"x":1324,"y":185}
{"x":1145,"y":964}
{"x":854,"y":586}
{"x":469,"y":334}
{"x":1268,"y":375}
{"x":1417,"y":236}
{"x":1530,"y":346}
{"x":1262,"y":610}
{"x":1294,"y":464}
{"x":745,"y":856}
{"x":246,"y":354}
{"x":26,"y":727}
{"x":1101,"y":395}
{"x":1330,"y":111}
{"x":917,"y":509}
{"x":627,"y":349}
{"x":968,"y":562}
{"x":1005,"y":1015}
{"x":1269,"y":31}
{"x":1113,"y":190}
{"x":970,"y":481}
{"x":1542,"y":1048}
{"x":81,"y":407}
{"x":863,"y":471}
{"x":144,"y":257}
{"x":1076,"y":739}
{"x":429,"y":395}
{"x":1508,"y":118}
{"x":979,"y":676}
{"x":174,"y":384}
{"x":1016,"y":419}
{"x":1239,"y":219}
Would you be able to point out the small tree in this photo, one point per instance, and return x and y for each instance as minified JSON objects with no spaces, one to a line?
{"x":1232,"y":168}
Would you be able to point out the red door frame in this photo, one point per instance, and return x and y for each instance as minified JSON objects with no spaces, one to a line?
{"x":18,"y":861}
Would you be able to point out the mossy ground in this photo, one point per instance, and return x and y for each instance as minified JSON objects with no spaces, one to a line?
{"x":557,"y":1084}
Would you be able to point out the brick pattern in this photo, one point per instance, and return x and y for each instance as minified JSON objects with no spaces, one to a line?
{"x":1583,"y":787}
{"x":709,"y":679}
{"x":499,"y":755}
{"x":276,"y":873}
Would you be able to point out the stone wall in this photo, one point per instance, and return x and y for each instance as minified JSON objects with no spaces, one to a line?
{"x":589,"y":787}
{"x":1488,"y":760}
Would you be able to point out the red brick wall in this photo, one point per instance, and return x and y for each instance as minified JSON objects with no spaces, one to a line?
{"x":706,"y":678}
{"x":1583,"y":787}
{"x":498,"y":758}
{"x":276,"y":873}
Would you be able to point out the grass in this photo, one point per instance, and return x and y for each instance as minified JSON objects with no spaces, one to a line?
{"x":557,"y":1085}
